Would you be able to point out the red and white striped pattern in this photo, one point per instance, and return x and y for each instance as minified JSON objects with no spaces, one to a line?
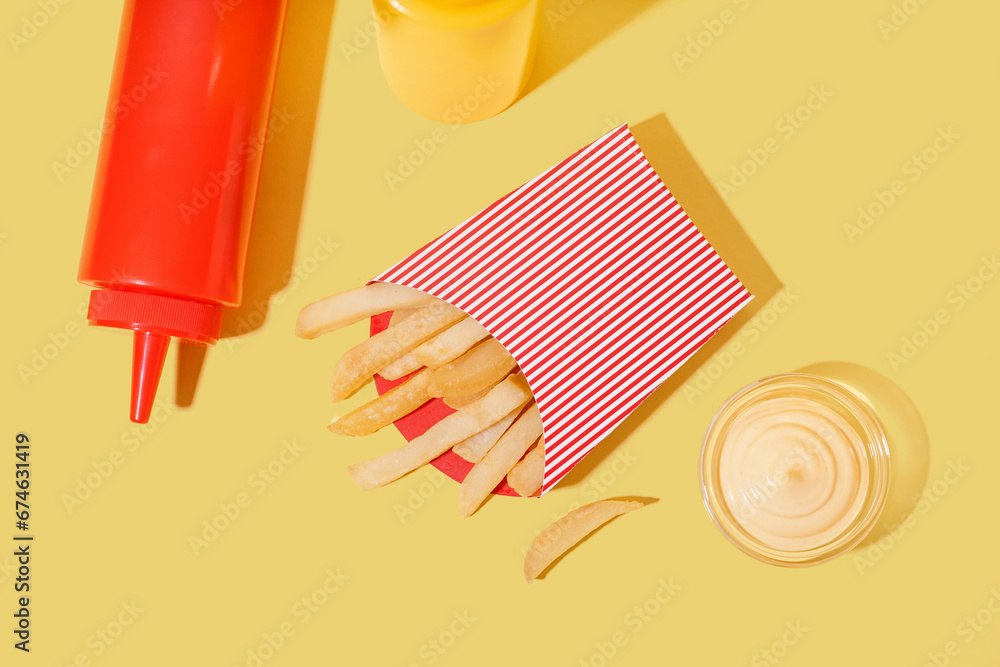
{"x":594,"y":279}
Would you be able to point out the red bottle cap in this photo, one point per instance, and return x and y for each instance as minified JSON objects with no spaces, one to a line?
{"x":154,"y":318}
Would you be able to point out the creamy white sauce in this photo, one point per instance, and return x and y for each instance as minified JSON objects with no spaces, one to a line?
{"x":793,"y":472}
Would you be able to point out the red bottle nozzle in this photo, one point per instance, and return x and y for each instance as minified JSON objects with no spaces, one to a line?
{"x":148,"y":353}
{"x":154,"y":318}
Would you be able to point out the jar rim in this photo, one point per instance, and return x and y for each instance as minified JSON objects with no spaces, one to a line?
{"x":857,"y":412}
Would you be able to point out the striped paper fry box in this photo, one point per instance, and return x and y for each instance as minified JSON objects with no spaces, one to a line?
{"x":594,"y":279}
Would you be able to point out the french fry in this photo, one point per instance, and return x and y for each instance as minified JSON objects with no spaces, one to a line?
{"x":355,"y":305}
{"x":396,"y":370}
{"x":505,"y":397}
{"x":405,"y":365}
{"x":526,"y":476}
{"x":499,"y":460}
{"x":480,"y":367}
{"x":359,"y":363}
{"x":565,"y":533}
{"x":474,"y":449}
{"x":439,"y":350}
{"x":450,"y":343}
{"x":456,"y":402}
{"x":400,"y":315}
{"x":385,"y":409}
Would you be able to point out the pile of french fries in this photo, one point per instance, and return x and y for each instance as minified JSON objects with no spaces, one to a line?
{"x":444,"y":354}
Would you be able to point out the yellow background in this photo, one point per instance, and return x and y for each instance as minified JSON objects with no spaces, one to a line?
{"x":610,"y":61}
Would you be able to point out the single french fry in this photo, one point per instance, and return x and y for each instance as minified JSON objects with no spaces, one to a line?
{"x":505,"y":397}
{"x":474,"y":449}
{"x":450,"y":343}
{"x":527,"y":474}
{"x":499,"y":460}
{"x":565,"y":533}
{"x":400,"y":314}
{"x":405,"y":365}
{"x":359,"y":363}
{"x":483,"y":365}
{"x":457,"y":402}
{"x":385,"y":409}
{"x":355,"y":305}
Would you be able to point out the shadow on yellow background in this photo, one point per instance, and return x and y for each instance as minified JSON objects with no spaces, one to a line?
{"x":907,"y":437}
{"x":570,"y":28}
{"x":282,"y":183}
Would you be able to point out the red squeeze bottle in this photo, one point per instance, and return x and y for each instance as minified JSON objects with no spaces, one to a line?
{"x":173,"y":198}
